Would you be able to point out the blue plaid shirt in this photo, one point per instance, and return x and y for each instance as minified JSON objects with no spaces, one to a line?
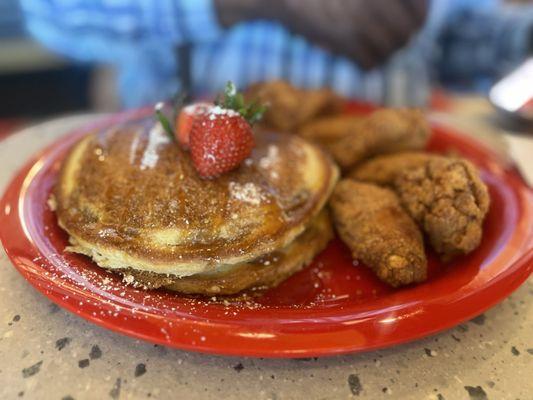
{"x":463,"y":41}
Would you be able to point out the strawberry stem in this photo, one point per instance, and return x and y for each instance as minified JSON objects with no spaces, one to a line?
{"x":234,"y":100}
{"x":178,"y":101}
{"x":163,"y":120}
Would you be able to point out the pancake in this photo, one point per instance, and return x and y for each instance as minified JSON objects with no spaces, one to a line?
{"x":264,"y":272}
{"x":129,"y":197}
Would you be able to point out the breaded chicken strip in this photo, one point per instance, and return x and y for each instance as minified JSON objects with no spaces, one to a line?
{"x":383,"y":170}
{"x":384,"y":131}
{"x":449,"y":201}
{"x":327,"y":130}
{"x":372,"y":223}
{"x":289,"y":107}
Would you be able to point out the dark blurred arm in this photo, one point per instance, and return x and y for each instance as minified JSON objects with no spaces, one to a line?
{"x":367,"y":31}
{"x":231,"y":12}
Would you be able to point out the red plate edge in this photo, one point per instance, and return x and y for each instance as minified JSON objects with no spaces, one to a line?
{"x":465,"y":308}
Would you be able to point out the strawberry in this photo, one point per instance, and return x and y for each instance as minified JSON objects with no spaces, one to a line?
{"x":219,"y":141}
{"x":219,"y":135}
{"x":185,"y":120}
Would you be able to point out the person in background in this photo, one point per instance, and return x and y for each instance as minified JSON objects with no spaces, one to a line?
{"x":385,"y":51}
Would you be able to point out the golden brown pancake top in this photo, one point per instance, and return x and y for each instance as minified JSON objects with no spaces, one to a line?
{"x":132,"y":188}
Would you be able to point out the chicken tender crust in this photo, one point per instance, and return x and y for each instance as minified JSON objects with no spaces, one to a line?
{"x":372,"y":223}
{"x":383,"y":170}
{"x":449,"y":201}
{"x":290,"y":107}
{"x":385,"y":131}
{"x":327,"y":130}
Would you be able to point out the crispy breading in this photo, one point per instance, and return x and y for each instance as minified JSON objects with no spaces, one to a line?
{"x":372,"y":223}
{"x":449,"y":201}
{"x":289,"y":107}
{"x":327,"y":130}
{"x":384,"y":131}
{"x":383,"y":170}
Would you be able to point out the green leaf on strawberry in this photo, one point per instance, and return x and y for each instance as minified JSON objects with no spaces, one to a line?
{"x":163,"y":120}
{"x":234,"y":100}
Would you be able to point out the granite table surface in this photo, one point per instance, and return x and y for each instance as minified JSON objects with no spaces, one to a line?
{"x":49,"y":353}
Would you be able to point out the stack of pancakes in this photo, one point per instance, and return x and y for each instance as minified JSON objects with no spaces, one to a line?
{"x":130,"y":198}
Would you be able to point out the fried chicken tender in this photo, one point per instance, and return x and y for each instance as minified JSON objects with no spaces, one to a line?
{"x":327,"y":130}
{"x":384,"y":131}
{"x":289,"y":107}
{"x":449,"y":202}
{"x":372,"y":223}
{"x":383,"y":170}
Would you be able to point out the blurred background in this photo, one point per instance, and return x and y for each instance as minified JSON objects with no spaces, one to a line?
{"x":62,"y":56}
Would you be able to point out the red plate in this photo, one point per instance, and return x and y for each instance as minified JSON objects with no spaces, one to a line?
{"x":331,"y":307}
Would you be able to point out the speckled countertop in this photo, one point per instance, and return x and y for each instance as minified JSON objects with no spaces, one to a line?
{"x":48,"y":353}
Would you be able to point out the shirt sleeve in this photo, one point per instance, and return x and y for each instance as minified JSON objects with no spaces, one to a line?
{"x":138,"y":37}
{"x":99,"y":30}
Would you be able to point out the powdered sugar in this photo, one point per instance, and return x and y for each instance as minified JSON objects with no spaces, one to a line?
{"x":249,"y":192}
{"x":107,"y":232}
{"x":133,"y":148}
{"x":156,"y":138}
{"x":270,"y":161}
{"x":217,"y":110}
{"x":128,"y":279}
